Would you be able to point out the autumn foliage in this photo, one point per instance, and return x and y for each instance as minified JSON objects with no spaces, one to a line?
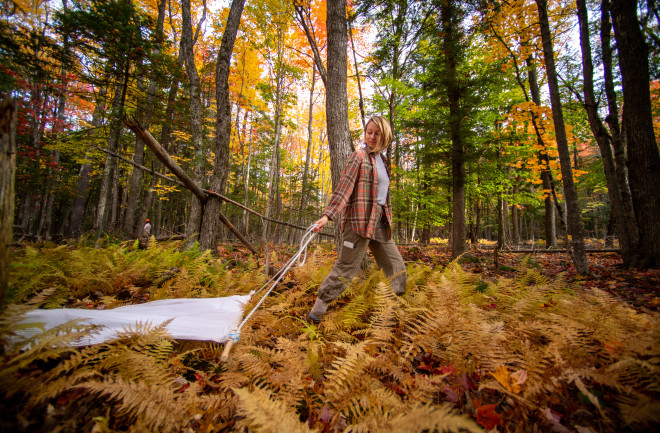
{"x":460,"y":351}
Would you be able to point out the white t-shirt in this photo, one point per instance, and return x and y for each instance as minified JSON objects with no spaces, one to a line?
{"x":383,"y":180}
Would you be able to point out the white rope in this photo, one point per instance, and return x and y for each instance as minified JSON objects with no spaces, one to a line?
{"x":306,"y":239}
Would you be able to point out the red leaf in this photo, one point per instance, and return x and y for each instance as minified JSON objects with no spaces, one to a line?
{"x":487,"y":417}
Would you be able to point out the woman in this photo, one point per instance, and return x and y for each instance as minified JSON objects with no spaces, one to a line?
{"x":363,"y":192}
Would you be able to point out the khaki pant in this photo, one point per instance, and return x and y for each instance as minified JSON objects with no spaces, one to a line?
{"x":353,"y":249}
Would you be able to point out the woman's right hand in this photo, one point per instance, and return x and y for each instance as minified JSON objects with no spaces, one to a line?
{"x":320,"y":223}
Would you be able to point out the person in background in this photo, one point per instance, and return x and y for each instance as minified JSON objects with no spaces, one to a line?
{"x":146,"y":230}
{"x":363,"y":194}
{"x":144,"y":235}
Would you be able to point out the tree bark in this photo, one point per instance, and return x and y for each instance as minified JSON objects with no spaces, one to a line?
{"x":7,"y":179}
{"x":336,"y":101}
{"x":570,"y":191}
{"x":549,"y":224}
{"x":449,"y":46}
{"x":188,"y":54}
{"x":612,"y":120}
{"x":601,"y":135}
{"x":210,"y":232}
{"x":643,"y":156}
{"x":82,"y":184}
{"x":113,"y":142}
{"x":146,"y":109}
{"x":274,"y":199}
{"x":308,"y":154}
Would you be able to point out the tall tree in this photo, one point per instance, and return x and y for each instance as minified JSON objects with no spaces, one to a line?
{"x":82,"y":183}
{"x":188,"y":41}
{"x":642,"y":147}
{"x":336,"y":99}
{"x":601,"y":135}
{"x":7,"y":171}
{"x":145,"y":110}
{"x":211,"y":223}
{"x":570,"y":191}
{"x":612,"y":120}
{"x":450,"y":18}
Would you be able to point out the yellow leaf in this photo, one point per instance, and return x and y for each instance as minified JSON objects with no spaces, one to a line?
{"x":512,"y":382}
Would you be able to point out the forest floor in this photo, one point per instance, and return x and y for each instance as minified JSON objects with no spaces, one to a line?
{"x":638,"y":287}
{"x":529,"y":346}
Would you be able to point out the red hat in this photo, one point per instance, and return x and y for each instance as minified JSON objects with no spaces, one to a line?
{"x":148,"y":220}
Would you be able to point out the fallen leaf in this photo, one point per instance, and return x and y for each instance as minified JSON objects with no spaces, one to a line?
{"x":487,"y":417}
{"x":505,"y":379}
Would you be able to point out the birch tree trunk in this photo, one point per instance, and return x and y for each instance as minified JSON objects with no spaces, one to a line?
{"x":570,"y":191}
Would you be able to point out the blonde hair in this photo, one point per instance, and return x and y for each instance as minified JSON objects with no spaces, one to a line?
{"x":385,"y":132}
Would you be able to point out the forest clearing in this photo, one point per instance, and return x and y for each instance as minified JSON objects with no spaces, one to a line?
{"x":500,"y":160}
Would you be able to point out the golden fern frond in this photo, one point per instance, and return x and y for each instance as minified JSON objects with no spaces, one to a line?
{"x":314,"y":365}
{"x":421,"y":333}
{"x":233,"y":379}
{"x":157,"y":405}
{"x":49,"y":387}
{"x":49,"y":344}
{"x":637,"y":373}
{"x":418,"y":419}
{"x":640,"y":411}
{"x":384,"y":316}
{"x":351,"y":316}
{"x":346,"y":373}
{"x":261,"y":412}
{"x":144,"y":334}
{"x":255,"y":361}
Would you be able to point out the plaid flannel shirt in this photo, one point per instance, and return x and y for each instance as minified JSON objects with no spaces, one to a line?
{"x":357,"y":193}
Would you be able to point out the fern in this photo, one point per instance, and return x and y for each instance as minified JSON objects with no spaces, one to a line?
{"x":261,"y":412}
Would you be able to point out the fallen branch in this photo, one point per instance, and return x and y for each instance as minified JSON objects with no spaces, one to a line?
{"x":206,"y":191}
{"x":165,"y":158}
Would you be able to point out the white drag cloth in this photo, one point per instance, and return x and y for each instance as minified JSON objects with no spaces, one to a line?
{"x":209,"y":319}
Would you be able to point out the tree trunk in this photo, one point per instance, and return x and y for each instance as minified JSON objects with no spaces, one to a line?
{"x":643,"y":156}
{"x":570,"y":191}
{"x":308,"y":154}
{"x":612,"y":120}
{"x":211,"y":223}
{"x":134,"y":191}
{"x":7,"y":176}
{"x":273,"y":200}
{"x":82,"y":184}
{"x":550,"y":226}
{"x":188,"y":54}
{"x":113,"y":143}
{"x":515,"y":228}
{"x":336,"y":101}
{"x":449,"y":46}
{"x":601,"y":135}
